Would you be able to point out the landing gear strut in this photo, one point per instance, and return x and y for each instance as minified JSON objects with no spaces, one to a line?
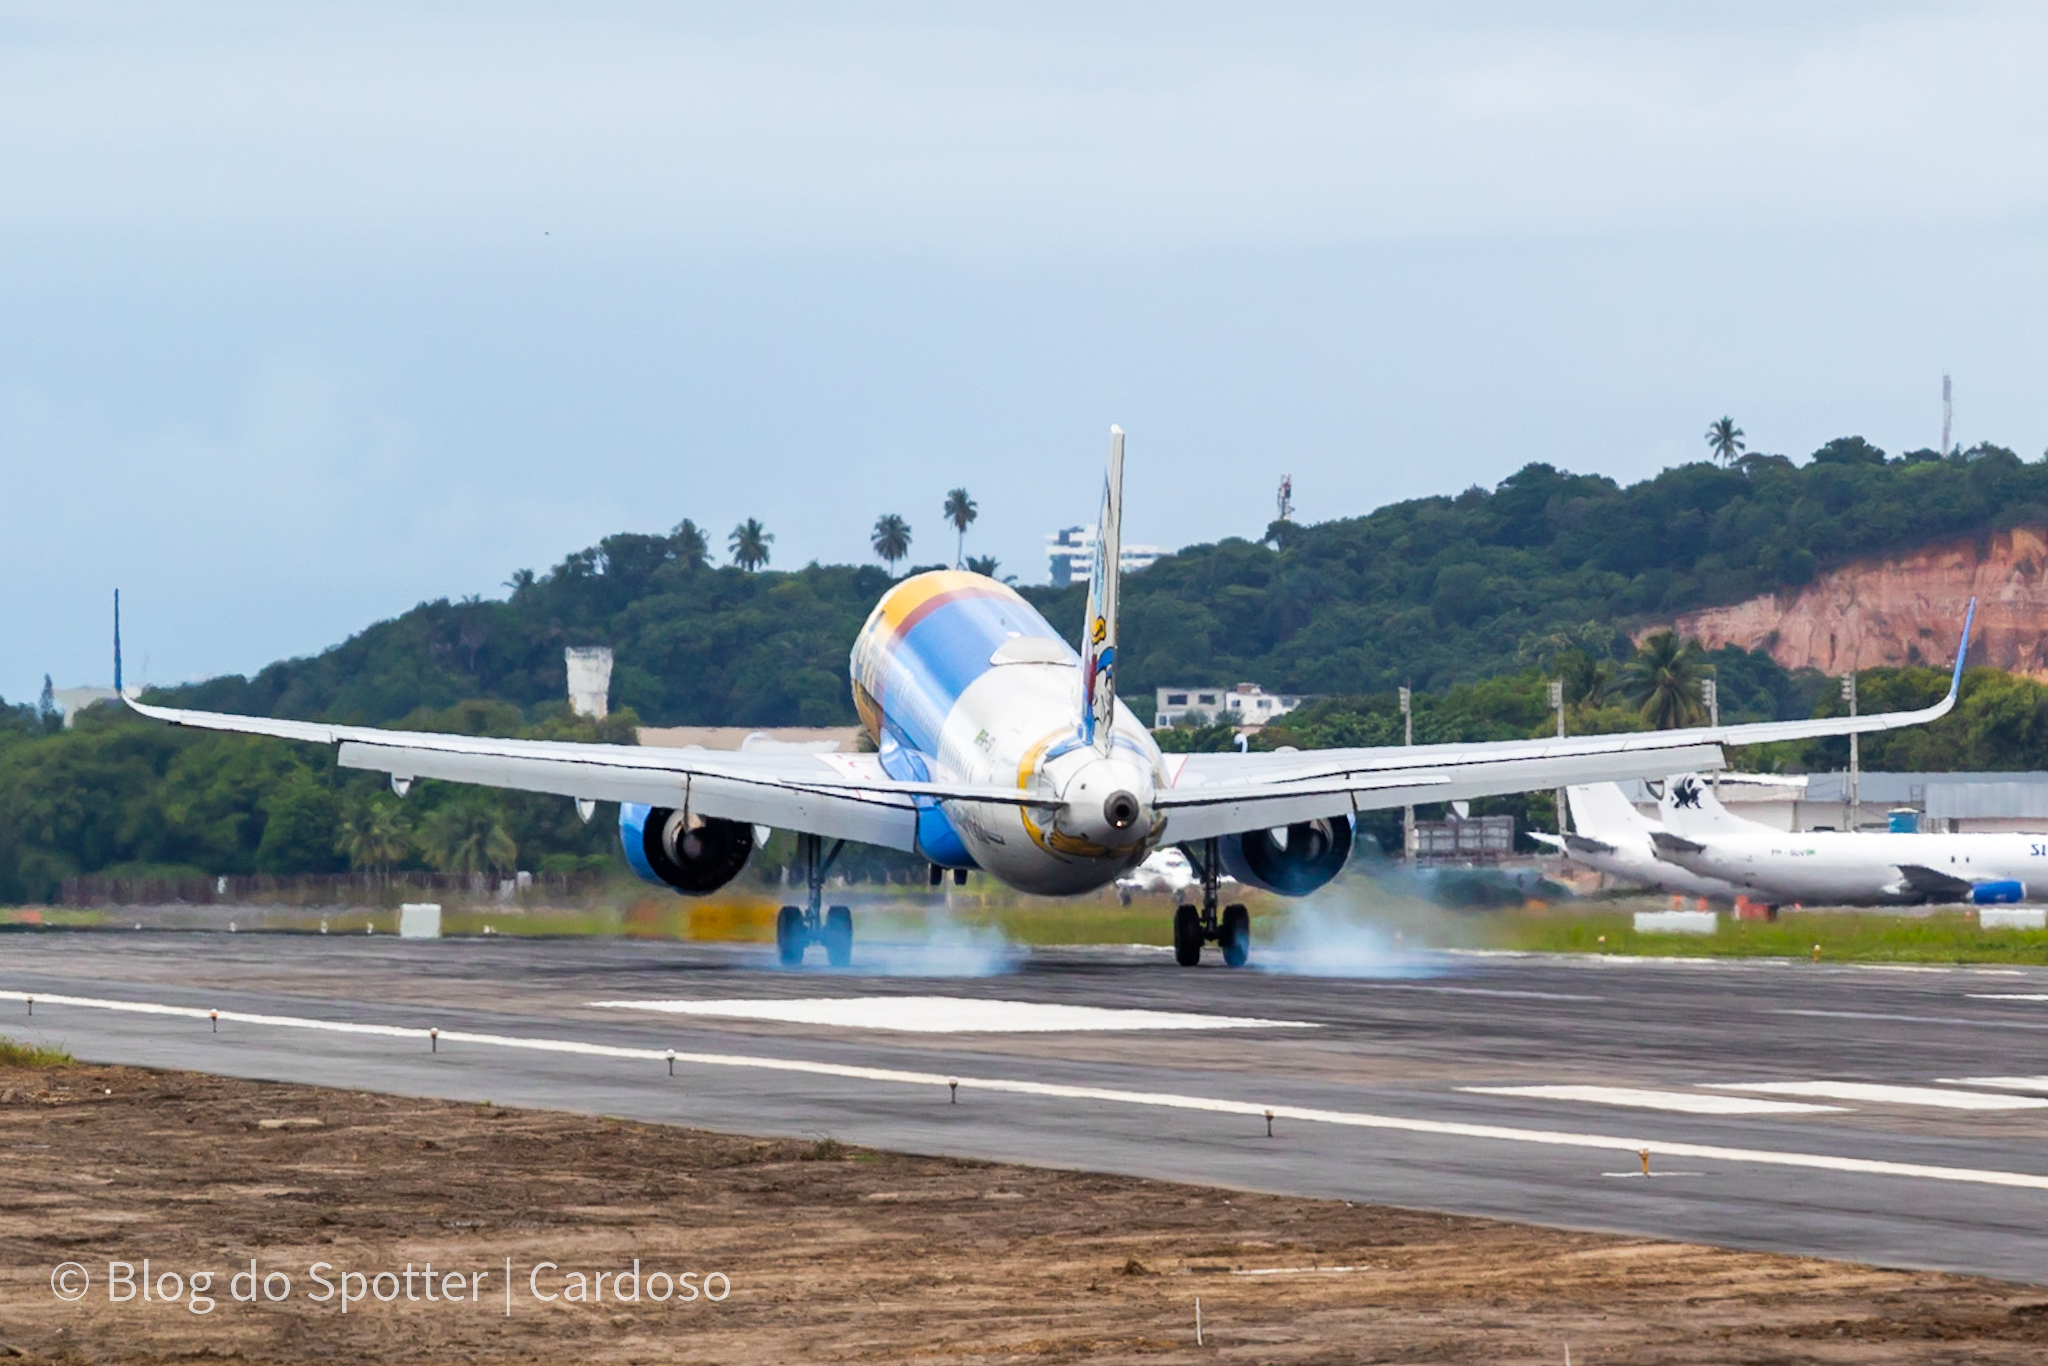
{"x":1193,"y":928}
{"x":799,"y":927}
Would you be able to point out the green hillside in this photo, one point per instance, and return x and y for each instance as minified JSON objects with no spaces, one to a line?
{"x":1432,"y":591}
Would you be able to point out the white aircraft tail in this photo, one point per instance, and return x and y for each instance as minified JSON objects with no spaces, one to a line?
{"x":1098,"y":636}
{"x":1602,"y":811}
{"x":1690,"y":808}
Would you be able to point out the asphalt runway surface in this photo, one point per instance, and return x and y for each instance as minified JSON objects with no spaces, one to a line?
{"x":1834,"y":1110}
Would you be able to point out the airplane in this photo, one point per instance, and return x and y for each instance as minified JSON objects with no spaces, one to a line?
{"x":1164,"y":870}
{"x":998,"y":746}
{"x":1840,"y":868}
{"x":1609,"y":835}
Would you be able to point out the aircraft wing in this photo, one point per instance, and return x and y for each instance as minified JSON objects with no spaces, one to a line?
{"x":1226,"y":794}
{"x":1935,"y":886}
{"x":839,"y":796}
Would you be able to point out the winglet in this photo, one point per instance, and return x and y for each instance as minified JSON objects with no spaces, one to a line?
{"x":1098,"y":635}
{"x":1955,"y":681}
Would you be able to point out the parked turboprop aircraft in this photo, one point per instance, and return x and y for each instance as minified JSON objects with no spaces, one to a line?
{"x":1000,"y":748}
{"x":1611,"y":836}
{"x":1837,"y":868}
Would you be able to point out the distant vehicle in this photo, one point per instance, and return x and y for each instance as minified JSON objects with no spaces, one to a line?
{"x":1612,"y":837}
{"x":1000,"y":747}
{"x":1164,"y":870}
{"x":1838,"y":868}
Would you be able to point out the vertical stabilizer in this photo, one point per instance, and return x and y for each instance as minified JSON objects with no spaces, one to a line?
{"x":1098,"y":637}
{"x":1602,"y":811}
{"x":1691,"y":809}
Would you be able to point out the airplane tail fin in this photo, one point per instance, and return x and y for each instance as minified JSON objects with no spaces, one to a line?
{"x":1690,"y":808}
{"x":1098,"y":636}
{"x":1602,"y":811}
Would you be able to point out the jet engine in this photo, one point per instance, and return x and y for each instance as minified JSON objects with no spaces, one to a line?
{"x":693,"y":854}
{"x":1292,"y":860}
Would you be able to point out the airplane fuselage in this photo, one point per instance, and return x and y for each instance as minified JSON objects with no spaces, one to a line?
{"x":1633,"y":860}
{"x":958,"y":679}
{"x":1836,"y":868}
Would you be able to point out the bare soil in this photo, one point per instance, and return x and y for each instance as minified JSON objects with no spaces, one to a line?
{"x":831,"y":1253}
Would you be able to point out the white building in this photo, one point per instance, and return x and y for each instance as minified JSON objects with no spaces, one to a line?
{"x":71,"y":701}
{"x":1247,"y":706}
{"x":590,"y":681}
{"x":1072,"y":553}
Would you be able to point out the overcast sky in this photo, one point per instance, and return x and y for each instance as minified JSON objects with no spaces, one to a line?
{"x":311,"y":312}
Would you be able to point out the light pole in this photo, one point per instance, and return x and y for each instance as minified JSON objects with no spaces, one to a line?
{"x":1407,"y":738}
{"x":1557,"y":705}
{"x":1710,"y":693}
{"x":1855,"y":765}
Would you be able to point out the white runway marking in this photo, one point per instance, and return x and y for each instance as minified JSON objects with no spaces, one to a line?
{"x":1886,"y":1095}
{"x":1687,"y":1102}
{"x":2007,"y":995}
{"x":2002,"y":1083}
{"x":948,"y":1015}
{"x":1249,"y":1110}
{"x":1913,"y":1019}
{"x":1485,"y":991}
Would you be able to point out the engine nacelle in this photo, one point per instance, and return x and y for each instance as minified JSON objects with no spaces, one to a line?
{"x":1293,"y":860}
{"x":1997,"y":893}
{"x":693,"y":854}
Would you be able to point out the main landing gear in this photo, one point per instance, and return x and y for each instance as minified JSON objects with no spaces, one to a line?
{"x":799,"y":927}
{"x":1193,"y":928}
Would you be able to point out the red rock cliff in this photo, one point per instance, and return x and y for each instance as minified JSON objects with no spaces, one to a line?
{"x":1902,"y":610}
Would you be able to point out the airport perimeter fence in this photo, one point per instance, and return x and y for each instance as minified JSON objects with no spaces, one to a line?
{"x":325,"y":889}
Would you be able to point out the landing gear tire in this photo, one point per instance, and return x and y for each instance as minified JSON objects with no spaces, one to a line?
{"x":789,"y":935}
{"x":1187,"y":936}
{"x":839,"y":936}
{"x":1236,"y":936}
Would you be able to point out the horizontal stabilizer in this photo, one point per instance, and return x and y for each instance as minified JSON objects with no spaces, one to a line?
{"x":1675,"y":844}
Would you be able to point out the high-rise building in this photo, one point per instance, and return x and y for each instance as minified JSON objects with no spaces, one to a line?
{"x":1071,"y":551}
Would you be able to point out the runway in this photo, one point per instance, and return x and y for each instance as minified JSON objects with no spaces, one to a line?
{"x":1887,"y":1115}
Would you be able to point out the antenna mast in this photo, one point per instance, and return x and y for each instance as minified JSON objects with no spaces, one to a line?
{"x":1947,"y":411}
{"x":1285,"y":501}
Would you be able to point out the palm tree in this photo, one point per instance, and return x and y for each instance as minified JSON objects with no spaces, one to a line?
{"x":1586,"y":679}
{"x":373,"y":837}
{"x":891,"y":539}
{"x":468,"y":837}
{"x":982,"y":564}
{"x":1664,"y":679}
{"x":1725,"y":438}
{"x":749,"y":544}
{"x":692,"y":547}
{"x":960,"y":511}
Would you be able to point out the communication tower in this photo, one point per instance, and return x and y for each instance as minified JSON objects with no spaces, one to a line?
{"x":1285,"y":500}
{"x":1947,"y":411}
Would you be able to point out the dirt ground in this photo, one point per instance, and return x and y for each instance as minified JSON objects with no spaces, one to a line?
{"x":826,"y":1252}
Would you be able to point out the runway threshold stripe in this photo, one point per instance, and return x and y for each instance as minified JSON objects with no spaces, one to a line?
{"x":1154,"y":1099}
{"x":1885,"y":1095}
{"x":1685,"y":1102}
{"x":2000,"y":1083}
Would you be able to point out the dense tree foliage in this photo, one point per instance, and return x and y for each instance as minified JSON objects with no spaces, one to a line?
{"x":1442,"y":590}
{"x":1431,"y":592}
